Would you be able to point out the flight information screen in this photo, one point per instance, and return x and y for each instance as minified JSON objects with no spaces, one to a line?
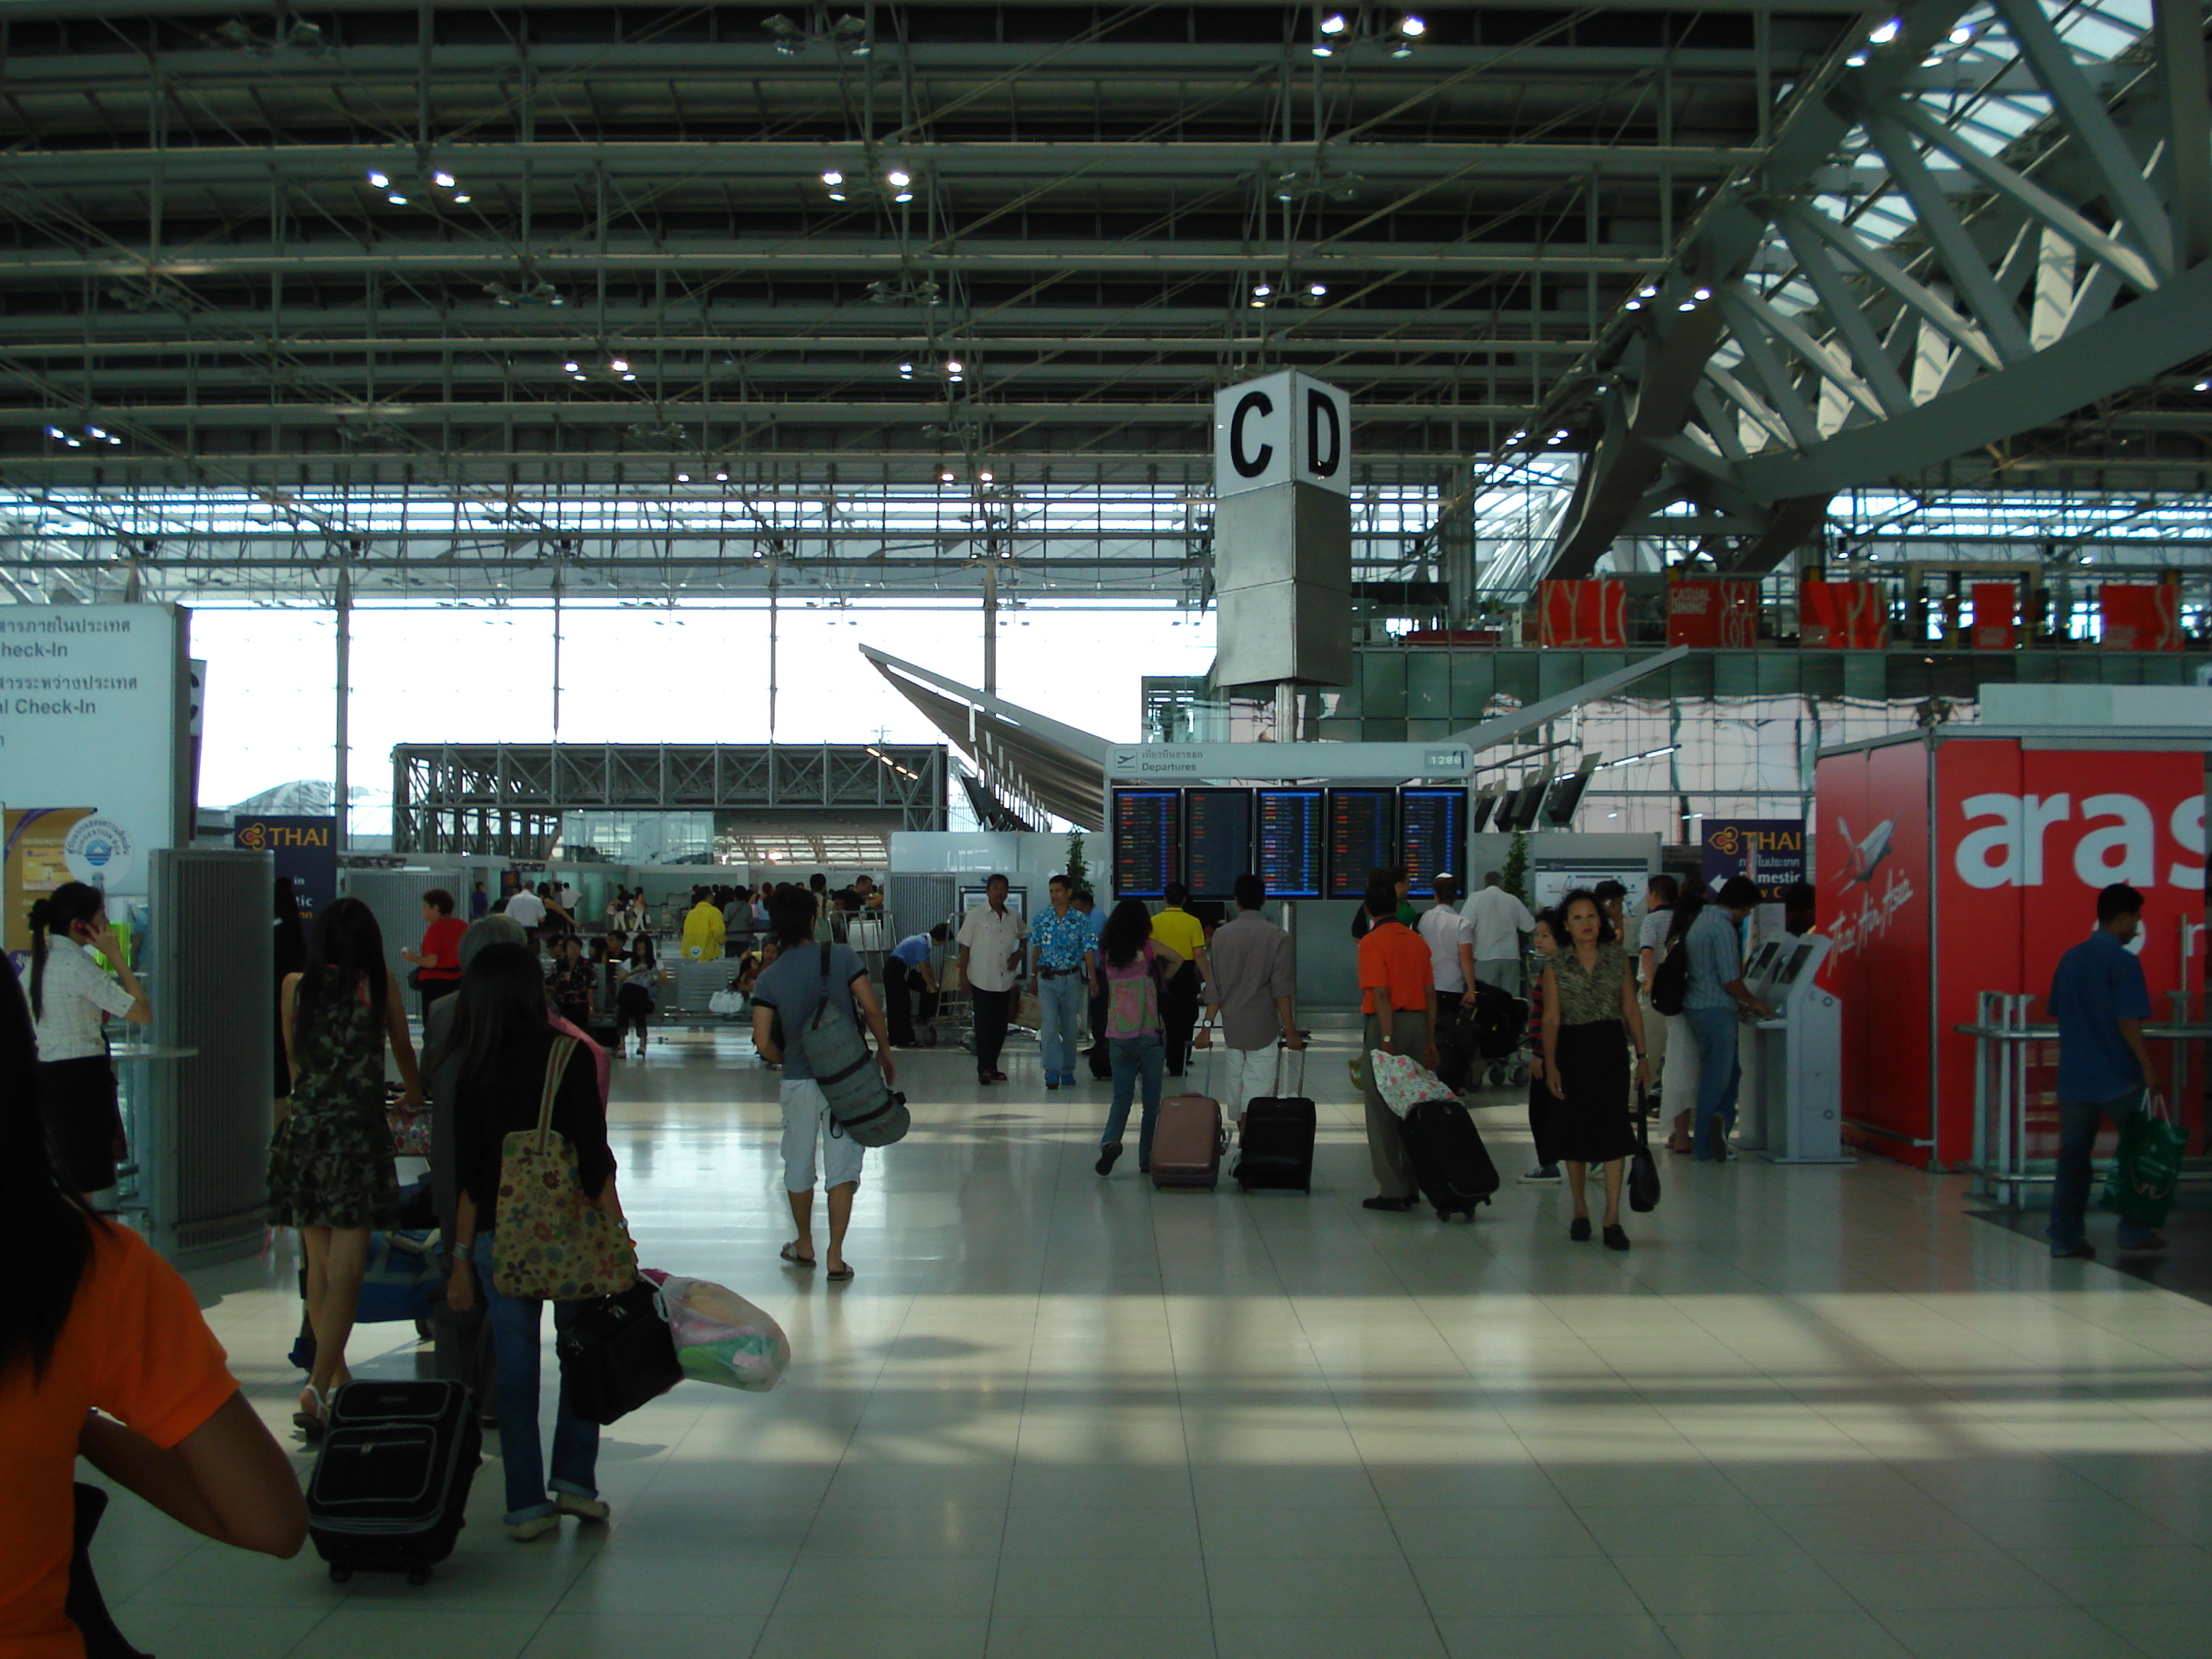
{"x":1147,"y":841}
{"x":1216,"y":840}
{"x":1290,"y":842}
{"x":1432,"y":835}
{"x":1362,"y":837}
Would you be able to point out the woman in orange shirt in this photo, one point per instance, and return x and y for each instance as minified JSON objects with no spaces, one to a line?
{"x":103,"y":1352}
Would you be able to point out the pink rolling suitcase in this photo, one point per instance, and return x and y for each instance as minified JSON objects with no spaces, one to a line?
{"x":1187,"y":1142}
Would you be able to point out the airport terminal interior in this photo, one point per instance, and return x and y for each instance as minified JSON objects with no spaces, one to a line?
{"x":608,"y":464}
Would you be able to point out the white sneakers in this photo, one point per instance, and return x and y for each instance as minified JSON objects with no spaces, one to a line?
{"x":564,"y":1502}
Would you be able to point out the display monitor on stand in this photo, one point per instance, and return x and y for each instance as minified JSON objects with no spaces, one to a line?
{"x":1362,"y":837}
{"x":1217,"y":846}
{"x":1290,"y":858}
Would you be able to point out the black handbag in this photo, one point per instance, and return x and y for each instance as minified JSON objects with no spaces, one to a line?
{"x":616,"y":1354}
{"x":1643,"y":1170}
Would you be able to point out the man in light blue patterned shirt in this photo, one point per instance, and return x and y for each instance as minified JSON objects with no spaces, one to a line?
{"x":1063,"y":972}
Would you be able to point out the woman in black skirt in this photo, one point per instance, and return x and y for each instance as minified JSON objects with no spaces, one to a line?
{"x":1592,"y":1027}
{"x":70,"y":1000}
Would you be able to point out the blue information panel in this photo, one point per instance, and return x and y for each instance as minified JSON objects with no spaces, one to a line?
{"x":1362,"y":830}
{"x":1216,"y":845}
{"x":1290,"y":842}
{"x":1147,"y":841}
{"x":1432,"y":835}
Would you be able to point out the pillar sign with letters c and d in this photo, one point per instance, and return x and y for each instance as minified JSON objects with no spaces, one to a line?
{"x":1283,"y":429}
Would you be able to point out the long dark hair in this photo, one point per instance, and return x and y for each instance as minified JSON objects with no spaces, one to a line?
{"x":1583,"y":896}
{"x":346,"y":950}
{"x":51,"y":917}
{"x":1125,"y":932}
{"x":501,"y":1001}
{"x":44,"y":1225}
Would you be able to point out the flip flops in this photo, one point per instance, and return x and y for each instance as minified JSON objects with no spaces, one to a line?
{"x":790,"y":1253}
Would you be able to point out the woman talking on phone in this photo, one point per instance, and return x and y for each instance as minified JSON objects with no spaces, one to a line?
{"x":70,"y":999}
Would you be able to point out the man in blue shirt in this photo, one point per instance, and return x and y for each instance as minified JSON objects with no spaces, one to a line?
{"x":1063,"y":972}
{"x":911,"y":959}
{"x":1713,"y":1002}
{"x":2099,"y":999}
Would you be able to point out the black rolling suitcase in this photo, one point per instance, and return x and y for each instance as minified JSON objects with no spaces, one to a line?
{"x":392,"y":1477}
{"x":1275,"y":1147}
{"x":1449,"y":1162}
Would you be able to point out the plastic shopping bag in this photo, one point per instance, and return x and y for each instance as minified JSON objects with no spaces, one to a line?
{"x":1404,"y":1083}
{"x":2147,"y":1165}
{"x":721,"y":1338}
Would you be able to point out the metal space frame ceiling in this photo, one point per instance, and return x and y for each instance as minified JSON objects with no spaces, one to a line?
{"x":620,"y":334}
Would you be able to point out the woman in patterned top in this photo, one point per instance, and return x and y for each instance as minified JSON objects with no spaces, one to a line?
{"x":1591,"y":1023}
{"x":330,"y":1172}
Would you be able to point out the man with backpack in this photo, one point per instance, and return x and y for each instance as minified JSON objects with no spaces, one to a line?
{"x":1498,"y":920}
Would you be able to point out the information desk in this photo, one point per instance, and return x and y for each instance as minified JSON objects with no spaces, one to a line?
{"x":1147,"y":841}
{"x":1433,"y":836}
{"x":1362,"y":837}
{"x":1290,"y":842}
{"x":1216,"y":840}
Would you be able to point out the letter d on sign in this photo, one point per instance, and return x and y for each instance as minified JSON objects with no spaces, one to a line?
{"x":1324,"y":454}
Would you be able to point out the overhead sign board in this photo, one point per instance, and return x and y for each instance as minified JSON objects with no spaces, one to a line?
{"x":1281,"y":428}
{"x":1216,"y":762}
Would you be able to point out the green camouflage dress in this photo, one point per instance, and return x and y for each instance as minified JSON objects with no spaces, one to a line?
{"x":330,"y":1160}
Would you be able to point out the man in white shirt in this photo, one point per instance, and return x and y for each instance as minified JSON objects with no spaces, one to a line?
{"x":529,"y":910}
{"x":991,"y":940}
{"x":1451,"y":938}
{"x":1498,"y":920}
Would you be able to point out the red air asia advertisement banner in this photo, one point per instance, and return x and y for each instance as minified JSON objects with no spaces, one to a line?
{"x":1978,"y":878}
{"x":1842,"y":615}
{"x":2030,"y":836}
{"x":1997,"y":615}
{"x":1871,"y":854}
{"x":2140,"y":615}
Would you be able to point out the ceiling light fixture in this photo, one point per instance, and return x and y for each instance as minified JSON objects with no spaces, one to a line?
{"x":1887,"y":33}
{"x":1962,"y":34}
{"x":443,"y":180}
{"x":381,"y":180}
{"x":1316,"y":289}
{"x":396,"y":199}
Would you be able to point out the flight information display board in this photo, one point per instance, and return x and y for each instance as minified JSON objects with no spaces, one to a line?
{"x":1147,"y":841}
{"x":1216,"y":845}
{"x":1362,"y":826}
{"x":1290,"y":842}
{"x":1432,"y":835}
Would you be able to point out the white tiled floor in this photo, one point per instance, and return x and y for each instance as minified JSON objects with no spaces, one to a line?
{"x":1818,"y":1413}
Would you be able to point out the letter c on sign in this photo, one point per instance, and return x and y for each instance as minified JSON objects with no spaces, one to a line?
{"x":1252,"y":403}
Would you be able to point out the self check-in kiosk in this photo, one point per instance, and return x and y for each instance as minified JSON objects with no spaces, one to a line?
{"x":1793,"y":1072}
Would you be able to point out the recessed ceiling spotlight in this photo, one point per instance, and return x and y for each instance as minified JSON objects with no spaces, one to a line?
{"x":898,"y":178}
{"x":985,"y":476}
{"x":1413,"y":27}
{"x":1887,"y":33}
{"x":396,"y":199}
{"x":833,"y":177}
{"x":381,"y":180}
{"x":1333,"y":23}
{"x":56,"y":432}
{"x":629,"y":377}
{"x":620,"y":365}
{"x":1316,"y":289}
{"x":1962,"y":34}
{"x":1262,"y":290}
{"x":683,"y":477}
{"x":444,"y":181}
{"x":945,"y":477}
{"x":954,"y":367}
{"x":463,"y":196}
{"x":94,"y":432}
{"x":722,"y":477}
{"x":570,"y":366}
{"x":1703,"y":293}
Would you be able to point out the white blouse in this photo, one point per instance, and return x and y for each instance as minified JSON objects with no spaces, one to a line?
{"x":74,"y":992}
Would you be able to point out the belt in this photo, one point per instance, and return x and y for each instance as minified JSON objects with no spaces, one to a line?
{"x":1059,"y":973}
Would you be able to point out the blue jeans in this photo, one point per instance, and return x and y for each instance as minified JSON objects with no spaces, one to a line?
{"x":2078,"y":1123}
{"x":1147,"y":1054}
{"x":1062,"y":999}
{"x":1719,"y":1070}
{"x":515,"y":1355}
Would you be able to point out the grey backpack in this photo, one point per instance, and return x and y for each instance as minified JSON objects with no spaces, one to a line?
{"x":861,"y":1106}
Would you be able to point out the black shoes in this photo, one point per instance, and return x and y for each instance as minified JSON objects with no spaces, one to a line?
{"x":1107,"y":1154}
{"x":1614,"y":1238}
{"x":1579,"y":1230}
{"x":1395,"y":1205}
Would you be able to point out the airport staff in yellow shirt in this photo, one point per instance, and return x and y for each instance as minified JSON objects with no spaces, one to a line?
{"x":1184,"y":934}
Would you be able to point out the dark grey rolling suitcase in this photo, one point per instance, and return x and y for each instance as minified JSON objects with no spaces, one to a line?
{"x":393,"y":1478}
{"x":1275,"y":1146}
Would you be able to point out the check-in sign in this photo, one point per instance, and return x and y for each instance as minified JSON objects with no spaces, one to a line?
{"x":1283,"y":429}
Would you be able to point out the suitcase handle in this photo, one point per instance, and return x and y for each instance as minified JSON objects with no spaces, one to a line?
{"x":1282,"y":1047}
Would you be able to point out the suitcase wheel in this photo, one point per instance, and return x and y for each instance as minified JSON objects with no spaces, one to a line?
{"x":418,"y":1576}
{"x":340,"y":1573}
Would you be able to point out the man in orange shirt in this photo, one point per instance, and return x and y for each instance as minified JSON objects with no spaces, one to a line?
{"x":1398,"y":995}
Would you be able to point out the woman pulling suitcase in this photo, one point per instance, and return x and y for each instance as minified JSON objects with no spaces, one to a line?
{"x":1591,"y":1025}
